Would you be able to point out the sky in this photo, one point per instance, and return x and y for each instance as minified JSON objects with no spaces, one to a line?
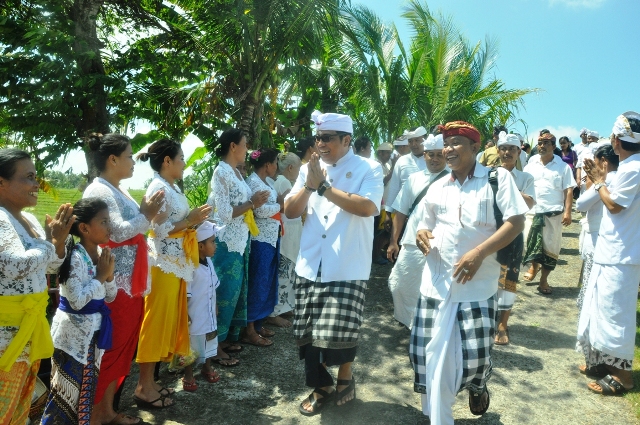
{"x":581,"y":54}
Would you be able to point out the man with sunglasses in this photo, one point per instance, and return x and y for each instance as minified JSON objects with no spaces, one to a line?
{"x":455,"y":316}
{"x":341,"y":193}
{"x":553,"y":183}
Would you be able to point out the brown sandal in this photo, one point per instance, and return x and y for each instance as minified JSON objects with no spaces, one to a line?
{"x":258,"y":341}
{"x":531,"y":273}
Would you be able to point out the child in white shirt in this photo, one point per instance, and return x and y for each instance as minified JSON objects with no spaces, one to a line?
{"x":201,"y":302}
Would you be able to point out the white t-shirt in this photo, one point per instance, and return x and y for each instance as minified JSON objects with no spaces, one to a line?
{"x":460,"y":218}
{"x":340,"y":240}
{"x":405,"y":166}
{"x":619,"y":235}
{"x":550,"y":182}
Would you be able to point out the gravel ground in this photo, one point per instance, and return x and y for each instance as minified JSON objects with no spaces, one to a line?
{"x":535,"y":378}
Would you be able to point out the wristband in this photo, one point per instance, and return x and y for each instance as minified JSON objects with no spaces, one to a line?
{"x":253,"y":207}
{"x":308,"y":188}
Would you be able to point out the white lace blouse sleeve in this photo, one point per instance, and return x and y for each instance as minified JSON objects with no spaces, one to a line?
{"x":15,"y":261}
{"x":161,"y":230}
{"x":81,"y":288}
{"x":121,"y":229}
{"x":271,"y":207}
{"x":111,"y":291}
{"x":221,"y":200}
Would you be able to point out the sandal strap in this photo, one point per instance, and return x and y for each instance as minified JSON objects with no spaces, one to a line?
{"x":323,"y":393}
{"x":345,"y":381}
{"x":610,"y":385}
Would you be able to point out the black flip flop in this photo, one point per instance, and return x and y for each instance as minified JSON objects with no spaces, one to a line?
{"x":476,"y":399}
{"x":149,"y":404}
{"x":317,"y":404}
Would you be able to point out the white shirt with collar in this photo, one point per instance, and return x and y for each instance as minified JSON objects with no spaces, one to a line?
{"x":341,"y":241}
{"x":405,"y":199}
{"x":619,"y":235}
{"x":550,"y":182}
{"x":460,"y":218}
{"x":405,"y":166}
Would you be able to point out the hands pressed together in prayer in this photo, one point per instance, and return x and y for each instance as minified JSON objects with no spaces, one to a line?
{"x":150,"y":207}
{"x":57,"y":229}
{"x":106,"y":266}
{"x":465,"y":269}
{"x":596,"y":174}
{"x":260,"y":198}
{"x":316,"y":174}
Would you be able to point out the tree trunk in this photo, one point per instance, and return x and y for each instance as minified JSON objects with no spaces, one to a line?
{"x":248,"y":122}
{"x":86,"y":47}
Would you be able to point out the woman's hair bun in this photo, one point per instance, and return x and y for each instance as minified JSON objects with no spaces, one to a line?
{"x":94,"y":140}
{"x":218,"y":151}
{"x":144,"y":157}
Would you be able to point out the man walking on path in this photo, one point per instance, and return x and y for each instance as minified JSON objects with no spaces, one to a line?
{"x":554,"y":183}
{"x":406,"y":165}
{"x":341,"y":193}
{"x":406,"y":276}
{"x":607,"y":324}
{"x":509,"y":149}
{"x":454,"y":324}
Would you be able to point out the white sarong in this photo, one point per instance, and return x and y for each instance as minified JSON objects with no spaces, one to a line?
{"x":404,"y":283}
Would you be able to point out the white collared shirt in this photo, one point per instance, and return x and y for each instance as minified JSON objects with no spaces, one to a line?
{"x":619,"y":235}
{"x":405,"y":199}
{"x":405,"y":166}
{"x":550,"y":182}
{"x":460,"y":218}
{"x":340,"y":240}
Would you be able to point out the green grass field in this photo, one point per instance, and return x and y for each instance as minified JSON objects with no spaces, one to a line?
{"x":47,"y":204}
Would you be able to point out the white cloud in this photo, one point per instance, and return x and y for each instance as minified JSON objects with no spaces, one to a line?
{"x":590,"y":4}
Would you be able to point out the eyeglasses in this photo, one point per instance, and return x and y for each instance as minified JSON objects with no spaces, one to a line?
{"x":326,"y":138}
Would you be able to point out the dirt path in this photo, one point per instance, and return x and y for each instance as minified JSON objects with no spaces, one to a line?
{"x":535,"y":378}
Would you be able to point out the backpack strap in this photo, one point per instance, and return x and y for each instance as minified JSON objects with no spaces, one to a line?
{"x":423,"y":192}
{"x":493,"y":181}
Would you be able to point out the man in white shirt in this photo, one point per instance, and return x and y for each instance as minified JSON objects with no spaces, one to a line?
{"x":340,"y":192}
{"x":510,"y":262}
{"x":554,"y":183}
{"x":607,"y":324}
{"x":406,"y":275}
{"x":453,"y":330}
{"x":406,"y":165}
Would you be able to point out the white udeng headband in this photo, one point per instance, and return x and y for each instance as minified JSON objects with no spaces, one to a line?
{"x":622,"y":129}
{"x":418,"y":132}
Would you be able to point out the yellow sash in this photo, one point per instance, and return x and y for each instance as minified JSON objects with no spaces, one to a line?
{"x":189,"y":244}
{"x":29,"y":313}
{"x":251,"y":223}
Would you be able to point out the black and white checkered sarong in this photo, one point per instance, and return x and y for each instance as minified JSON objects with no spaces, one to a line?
{"x":477,"y":322}
{"x":328,"y":314}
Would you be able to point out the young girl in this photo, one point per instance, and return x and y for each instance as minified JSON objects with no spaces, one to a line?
{"x":81,"y":327}
{"x":201,"y":296}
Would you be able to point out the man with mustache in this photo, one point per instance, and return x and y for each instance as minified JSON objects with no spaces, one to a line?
{"x":554,"y":183}
{"x":454,"y":322}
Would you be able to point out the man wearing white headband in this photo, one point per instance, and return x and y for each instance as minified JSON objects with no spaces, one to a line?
{"x":606,"y":328}
{"x":401,"y":146}
{"x":509,"y":150}
{"x":406,"y":276}
{"x":341,"y":193}
{"x":406,"y":165}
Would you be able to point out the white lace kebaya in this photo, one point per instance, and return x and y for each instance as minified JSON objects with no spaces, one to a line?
{"x":72,"y":333}
{"x":24,"y":263}
{"x":126,"y":221}
{"x":228,"y":190}
{"x":269,"y":227}
{"x":167,"y":253}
